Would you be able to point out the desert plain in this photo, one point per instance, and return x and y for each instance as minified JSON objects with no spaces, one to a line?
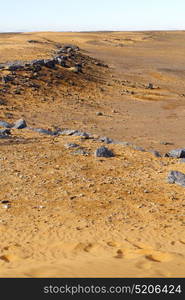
{"x":64,"y":212}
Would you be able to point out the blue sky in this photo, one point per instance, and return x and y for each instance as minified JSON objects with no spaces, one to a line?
{"x":82,"y":15}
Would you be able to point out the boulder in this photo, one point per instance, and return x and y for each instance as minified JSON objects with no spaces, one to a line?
{"x":20,"y":124}
{"x":176,"y":177}
{"x":176,"y":153}
{"x":5,"y":124}
{"x":104,"y":152}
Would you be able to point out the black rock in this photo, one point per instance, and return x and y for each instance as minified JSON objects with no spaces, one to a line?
{"x":176,"y":153}
{"x":50,"y":63}
{"x":5,"y":124}
{"x":7,"y":78}
{"x":104,"y":152}
{"x":20,"y":124}
{"x":176,"y":177}
{"x":36,"y":62}
{"x":15,"y":67}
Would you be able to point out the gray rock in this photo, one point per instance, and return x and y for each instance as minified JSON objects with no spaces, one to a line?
{"x":80,"y":152}
{"x":71,"y":145}
{"x":44,"y":131}
{"x":104,"y":152}
{"x":176,"y":153}
{"x":182,"y":160}
{"x":5,"y":132}
{"x":81,"y":133}
{"x":67,"y":132}
{"x":106,"y":140}
{"x":20,"y":124}
{"x":155,"y":153}
{"x":176,"y":177}
{"x":138,"y":148}
{"x":5,"y":124}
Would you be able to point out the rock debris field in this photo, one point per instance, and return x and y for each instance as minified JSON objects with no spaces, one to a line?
{"x":88,"y":189}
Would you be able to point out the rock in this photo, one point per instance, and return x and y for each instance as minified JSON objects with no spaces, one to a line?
{"x":5,"y":124}
{"x":176,"y":153}
{"x":166,"y":143}
{"x":36,"y":62}
{"x":71,"y":145}
{"x":7,"y":78}
{"x":99,"y":113}
{"x":176,"y":177}
{"x":80,"y":152}
{"x":50,"y":63}
{"x":155,"y":153}
{"x":44,"y":131}
{"x":104,"y":152}
{"x":81,"y":133}
{"x":182,"y":160}
{"x":15,"y":66}
{"x":67,"y":132}
{"x":138,"y":148}
{"x":106,"y":140}
{"x":20,"y":124}
{"x":5,"y":131}
{"x":150,"y":86}
{"x":2,"y":102}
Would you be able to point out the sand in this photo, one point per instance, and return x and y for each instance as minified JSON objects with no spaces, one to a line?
{"x":66,"y":215}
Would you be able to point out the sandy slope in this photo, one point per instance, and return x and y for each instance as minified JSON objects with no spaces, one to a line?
{"x":72,"y":215}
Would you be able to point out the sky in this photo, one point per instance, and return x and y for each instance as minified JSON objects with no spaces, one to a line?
{"x":87,"y":15}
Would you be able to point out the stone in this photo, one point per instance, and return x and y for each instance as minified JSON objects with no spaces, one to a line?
{"x":99,"y":113}
{"x":15,"y":66}
{"x":5,"y":131}
{"x":71,"y":145}
{"x":155,"y":153}
{"x":138,"y":148}
{"x":106,"y":140}
{"x":182,"y":160}
{"x":80,"y":152}
{"x":20,"y":124}
{"x":176,"y":153}
{"x":39,"y":62}
{"x":81,"y":133}
{"x":7,"y":78}
{"x":5,"y":124}
{"x":150,"y":86}
{"x":176,"y":177}
{"x":67,"y":132}
{"x":50,"y":63}
{"x":44,"y":131}
{"x":104,"y":152}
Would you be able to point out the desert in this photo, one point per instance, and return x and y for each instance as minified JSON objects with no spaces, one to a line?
{"x":92,"y":150}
